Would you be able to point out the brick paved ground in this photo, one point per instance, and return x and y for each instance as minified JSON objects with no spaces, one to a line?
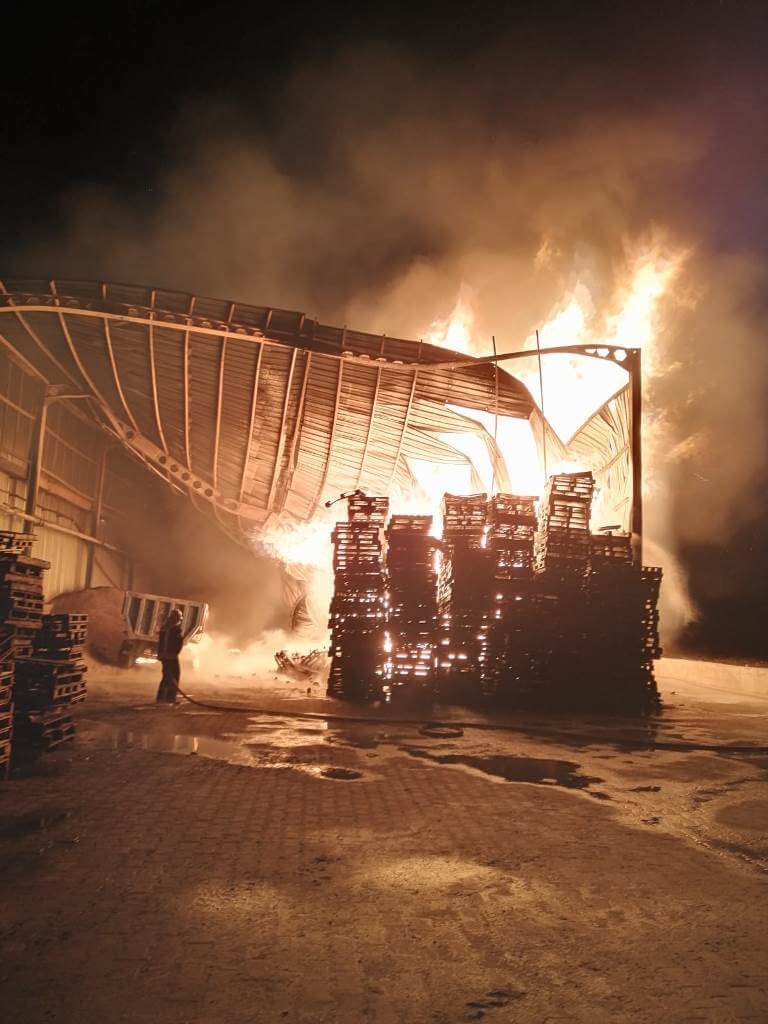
{"x":138,"y":885}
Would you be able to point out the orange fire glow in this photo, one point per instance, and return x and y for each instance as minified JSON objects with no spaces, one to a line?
{"x":457,"y":332}
{"x":574,"y":388}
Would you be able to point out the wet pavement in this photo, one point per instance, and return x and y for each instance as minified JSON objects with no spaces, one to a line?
{"x":265,"y":865}
{"x":685,"y":762}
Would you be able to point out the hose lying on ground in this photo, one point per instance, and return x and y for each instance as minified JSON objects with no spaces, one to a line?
{"x":455,"y":729}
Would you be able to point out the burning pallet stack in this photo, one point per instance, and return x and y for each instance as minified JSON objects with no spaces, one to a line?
{"x":527,"y":610}
{"x":511,"y":529}
{"x":599,"y":611}
{"x":50,"y":681}
{"x":412,"y":607}
{"x":623,"y":601}
{"x":563,"y":656}
{"x":464,"y":595}
{"x":357,"y":620}
{"x":563,"y":541}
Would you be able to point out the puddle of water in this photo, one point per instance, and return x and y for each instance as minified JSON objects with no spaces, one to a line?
{"x":282,"y":750}
{"x":341,"y":773}
{"x":537,"y":770}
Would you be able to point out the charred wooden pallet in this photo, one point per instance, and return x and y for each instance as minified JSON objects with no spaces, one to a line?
{"x":24,"y":585}
{"x":12,"y":543}
{"x":44,"y":728}
{"x":418,"y":525}
{"x":22,"y":565}
{"x":361,"y":508}
{"x":355,"y":533}
{"x":63,"y":654}
{"x":10,"y":601}
{"x":24,"y":618}
{"x":7,"y":639}
{"x":413,"y":620}
{"x":55,"y":630}
{"x":503,"y":506}
{"x":359,"y":582}
{"x":66,"y":648}
{"x":66,"y":621}
{"x":339,"y":622}
{"x":610,"y":549}
{"x":48,"y":666}
{"x":578,"y":484}
{"x":464,"y":515}
{"x":50,"y":694}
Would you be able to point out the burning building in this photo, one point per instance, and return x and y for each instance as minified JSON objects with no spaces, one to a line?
{"x":260,"y":416}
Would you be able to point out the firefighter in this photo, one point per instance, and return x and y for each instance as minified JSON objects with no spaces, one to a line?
{"x":168,"y":650}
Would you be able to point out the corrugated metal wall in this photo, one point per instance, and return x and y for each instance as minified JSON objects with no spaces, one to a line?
{"x":68,"y":498}
{"x":69,"y":561}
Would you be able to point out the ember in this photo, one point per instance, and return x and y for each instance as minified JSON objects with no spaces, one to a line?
{"x":525,"y":610}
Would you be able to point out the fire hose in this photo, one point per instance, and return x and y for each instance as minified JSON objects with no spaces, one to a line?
{"x":454,"y":729}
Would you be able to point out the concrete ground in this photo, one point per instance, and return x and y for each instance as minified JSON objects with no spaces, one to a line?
{"x":192,"y":866}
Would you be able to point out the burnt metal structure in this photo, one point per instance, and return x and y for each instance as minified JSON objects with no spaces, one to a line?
{"x":253,"y":411}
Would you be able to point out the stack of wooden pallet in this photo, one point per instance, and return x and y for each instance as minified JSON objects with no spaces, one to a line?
{"x":50,"y":681}
{"x":509,"y":537}
{"x":371,"y":511}
{"x":6,"y":703}
{"x":609,"y":550}
{"x":554,"y":618}
{"x":357,"y":615}
{"x":412,"y":608}
{"x":465,"y":586}
{"x":623,"y":639}
{"x":21,"y":608}
{"x":21,"y":590}
{"x":519,"y":657}
{"x":562,"y":546}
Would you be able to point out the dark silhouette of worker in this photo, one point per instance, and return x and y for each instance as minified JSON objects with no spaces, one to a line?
{"x":168,"y":650}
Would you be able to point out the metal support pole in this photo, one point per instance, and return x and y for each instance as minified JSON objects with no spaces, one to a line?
{"x":97,"y":512}
{"x":495,"y":414}
{"x":52,"y":393}
{"x":636,"y":453}
{"x":36,"y":459}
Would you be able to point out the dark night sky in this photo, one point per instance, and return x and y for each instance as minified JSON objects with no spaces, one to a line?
{"x":109,"y":100}
{"x":91,"y":97}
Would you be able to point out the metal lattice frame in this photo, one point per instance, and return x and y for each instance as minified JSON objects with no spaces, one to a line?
{"x":249,"y":410}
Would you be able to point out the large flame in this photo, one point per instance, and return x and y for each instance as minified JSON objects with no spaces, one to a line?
{"x":457,"y":331}
{"x":575,"y":387}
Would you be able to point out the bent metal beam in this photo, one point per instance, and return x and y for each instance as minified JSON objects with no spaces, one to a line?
{"x":245,"y":435}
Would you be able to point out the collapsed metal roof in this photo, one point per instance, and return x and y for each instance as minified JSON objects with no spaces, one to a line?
{"x":250,"y":410}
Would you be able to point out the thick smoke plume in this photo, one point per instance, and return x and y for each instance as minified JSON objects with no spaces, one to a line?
{"x":375,"y":186}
